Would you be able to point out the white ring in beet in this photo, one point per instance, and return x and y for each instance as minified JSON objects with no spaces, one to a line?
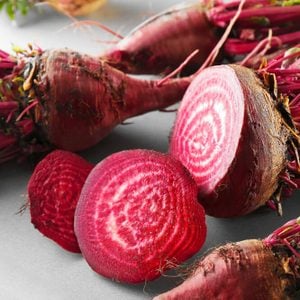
{"x":208,"y":126}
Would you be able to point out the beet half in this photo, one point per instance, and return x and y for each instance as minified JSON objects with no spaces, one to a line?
{"x":231,"y":136}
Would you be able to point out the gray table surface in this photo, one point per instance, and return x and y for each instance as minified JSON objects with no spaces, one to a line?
{"x":33,"y":267}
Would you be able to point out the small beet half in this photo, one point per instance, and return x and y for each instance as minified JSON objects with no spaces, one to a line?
{"x":53,"y":193}
{"x":138,"y":215}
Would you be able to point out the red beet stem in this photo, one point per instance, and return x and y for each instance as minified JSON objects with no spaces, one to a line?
{"x":271,"y":13}
{"x":254,"y":23}
{"x":6,"y":141}
{"x":289,"y":232}
{"x":286,"y":68}
{"x":238,"y":46}
{"x":8,"y":107}
{"x":62,"y":90}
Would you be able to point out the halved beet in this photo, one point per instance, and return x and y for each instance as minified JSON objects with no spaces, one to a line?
{"x":230,"y":136}
{"x":53,"y":192}
{"x":138,"y":215}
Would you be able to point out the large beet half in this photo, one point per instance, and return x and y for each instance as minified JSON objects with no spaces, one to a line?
{"x":138,"y":215}
{"x":231,"y":137}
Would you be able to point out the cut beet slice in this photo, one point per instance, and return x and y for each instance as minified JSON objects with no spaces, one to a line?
{"x":53,"y":193}
{"x":138,"y":215}
{"x":230,"y":136}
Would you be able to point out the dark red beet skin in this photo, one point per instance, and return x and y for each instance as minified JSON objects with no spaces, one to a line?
{"x":70,"y":101}
{"x":138,"y":215}
{"x":230,"y":136}
{"x":249,"y":269}
{"x":83,"y":98}
{"x":53,"y":193}
{"x":243,"y":270}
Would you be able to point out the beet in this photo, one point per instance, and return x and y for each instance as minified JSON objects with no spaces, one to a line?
{"x":165,"y":40}
{"x":250,"y":269}
{"x":53,"y":192}
{"x":138,"y":215}
{"x":69,"y":100}
{"x":230,"y":135}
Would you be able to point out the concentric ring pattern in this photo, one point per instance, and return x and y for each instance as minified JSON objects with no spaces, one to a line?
{"x":53,"y":193}
{"x":138,"y":215}
{"x":208,"y":126}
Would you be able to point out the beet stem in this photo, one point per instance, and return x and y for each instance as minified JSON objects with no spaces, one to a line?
{"x":179,"y":69}
{"x":211,"y":58}
{"x":288,"y":235}
{"x":265,"y":44}
{"x":268,"y":12}
{"x":27,"y":109}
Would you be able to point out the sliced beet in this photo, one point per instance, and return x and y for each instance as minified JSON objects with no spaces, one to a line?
{"x":53,"y":193}
{"x":138,"y":215}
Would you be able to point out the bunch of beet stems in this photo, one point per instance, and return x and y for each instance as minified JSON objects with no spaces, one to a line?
{"x":67,"y":100}
{"x":250,"y":269}
{"x":161,"y":43}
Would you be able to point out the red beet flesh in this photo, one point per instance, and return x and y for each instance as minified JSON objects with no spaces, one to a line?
{"x":231,"y":138}
{"x":138,"y":215}
{"x":53,"y":193}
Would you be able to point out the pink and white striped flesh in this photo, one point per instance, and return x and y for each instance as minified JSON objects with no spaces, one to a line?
{"x":208,"y":126}
{"x":229,"y":135}
{"x":138,"y":215}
